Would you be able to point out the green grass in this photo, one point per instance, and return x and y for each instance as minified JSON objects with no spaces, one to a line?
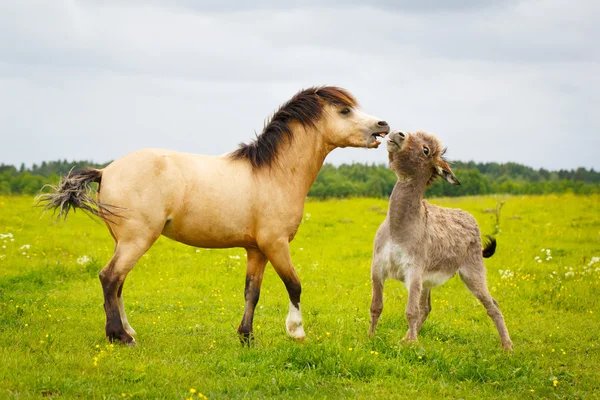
{"x":186,"y":303}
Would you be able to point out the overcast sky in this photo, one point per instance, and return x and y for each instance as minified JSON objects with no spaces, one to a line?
{"x":495,"y":80}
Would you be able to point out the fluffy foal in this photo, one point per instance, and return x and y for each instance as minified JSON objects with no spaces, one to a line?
{"x":424,"y":245}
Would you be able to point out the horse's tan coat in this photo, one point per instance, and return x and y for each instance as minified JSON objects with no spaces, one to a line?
{"x":221,"y":202}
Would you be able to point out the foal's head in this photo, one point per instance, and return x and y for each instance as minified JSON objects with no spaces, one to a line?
{"x":418,"y":156}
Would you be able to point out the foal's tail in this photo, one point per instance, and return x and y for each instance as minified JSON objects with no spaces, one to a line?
{"x":489,"y":246}
{"x":75,"y":191}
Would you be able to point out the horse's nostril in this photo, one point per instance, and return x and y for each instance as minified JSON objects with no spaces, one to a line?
{"x":402,"y":135}
{"x":382,"y":123}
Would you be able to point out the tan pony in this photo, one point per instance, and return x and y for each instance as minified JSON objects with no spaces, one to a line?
{"x":251,"y":198}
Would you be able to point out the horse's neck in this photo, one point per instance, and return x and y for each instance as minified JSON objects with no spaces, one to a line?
{"x":299,"y":162}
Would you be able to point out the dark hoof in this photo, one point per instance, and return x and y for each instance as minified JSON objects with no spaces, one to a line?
{"x":120,"y":337}
{"x":246,"y":336}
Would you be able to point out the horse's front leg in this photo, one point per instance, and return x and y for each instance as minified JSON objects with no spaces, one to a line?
{"x":254,"y":275}
{"x":278,"y":252}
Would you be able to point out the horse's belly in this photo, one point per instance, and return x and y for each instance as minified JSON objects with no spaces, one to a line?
{"x":209,"y":234}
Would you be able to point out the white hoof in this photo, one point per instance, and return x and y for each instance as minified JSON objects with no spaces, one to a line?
{"x":293,"y":323}
{"x":295,"y":330}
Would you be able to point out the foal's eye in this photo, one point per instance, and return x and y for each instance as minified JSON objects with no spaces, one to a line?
{"x":426,"y":150}
{"x":345,"y":111}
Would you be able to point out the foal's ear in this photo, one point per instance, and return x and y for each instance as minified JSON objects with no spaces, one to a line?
{"x":443,"y":170}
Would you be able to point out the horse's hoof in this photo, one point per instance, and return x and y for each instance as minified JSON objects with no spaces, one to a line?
{"x":130,"y":331}
{"x":246,"y":337}
{"x":508,"y":348}
{"x":132,"y":343}
{"x":296,"y":332}
{"x":120,"y":337}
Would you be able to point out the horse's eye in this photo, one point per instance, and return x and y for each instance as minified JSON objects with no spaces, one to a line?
{"x":426,"y":150}
{"x":345,"y":111}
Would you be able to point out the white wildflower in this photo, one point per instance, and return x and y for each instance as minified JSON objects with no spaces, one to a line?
{"x":307,"y":216}
{"x":537,"y":258}
{"x":234,"y":257}
{"x":543,"y":250}
{"x":548,"y":258}
{"x":25,"y":247}
{"x":506,"y":274}
{"x":83,"y":260}
{"x":593,"y":261}
{"x":569,"y":273}
{"x":6,"y":235}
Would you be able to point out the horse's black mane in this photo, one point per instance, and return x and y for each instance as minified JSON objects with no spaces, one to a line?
{"x":305,"y":108}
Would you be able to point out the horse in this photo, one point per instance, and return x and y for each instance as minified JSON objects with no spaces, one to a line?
{"x":252,"y":198}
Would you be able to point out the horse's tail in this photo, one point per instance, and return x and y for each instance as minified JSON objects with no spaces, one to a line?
{"x":75,"y":191}
{"x":489,"y":246}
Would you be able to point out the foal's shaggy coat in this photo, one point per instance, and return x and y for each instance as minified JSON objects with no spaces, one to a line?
{"x":424,"y":245}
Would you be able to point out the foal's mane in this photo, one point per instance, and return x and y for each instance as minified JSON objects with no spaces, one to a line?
{"x":306,"y":108}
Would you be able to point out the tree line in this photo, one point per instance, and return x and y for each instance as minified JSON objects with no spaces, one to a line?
{"x":364,"y":180}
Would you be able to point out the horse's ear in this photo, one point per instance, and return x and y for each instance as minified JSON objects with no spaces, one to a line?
{"x":444,"y":170}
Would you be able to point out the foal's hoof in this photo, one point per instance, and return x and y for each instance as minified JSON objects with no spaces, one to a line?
{"x":508,"y":348}
{"x":410,"y":340}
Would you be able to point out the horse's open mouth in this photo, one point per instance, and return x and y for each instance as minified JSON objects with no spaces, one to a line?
{"x":378,"y":135}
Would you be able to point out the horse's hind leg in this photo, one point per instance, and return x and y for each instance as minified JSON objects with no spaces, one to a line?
{"x":127,"y":253}
{"x":122,"y":313}
{"x":255,"y":270}
{"x":124,"y":320}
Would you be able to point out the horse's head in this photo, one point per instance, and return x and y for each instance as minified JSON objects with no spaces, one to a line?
{"x":348,"y":126}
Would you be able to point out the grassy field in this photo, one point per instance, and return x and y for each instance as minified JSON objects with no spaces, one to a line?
{"x":186,"y":303}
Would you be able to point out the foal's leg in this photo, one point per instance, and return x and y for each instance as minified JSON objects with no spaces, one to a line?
{"x":424,"y":307}
{"x":415,"y":287}
{"x":474,"y":278}
{"x":376,"y":301}
{"x":254,"y":275}
{"x":112,"y":277}
{"x":278,"y":253}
